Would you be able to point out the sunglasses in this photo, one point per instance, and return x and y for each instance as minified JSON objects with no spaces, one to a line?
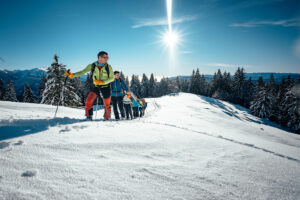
{"x":105,"y":57}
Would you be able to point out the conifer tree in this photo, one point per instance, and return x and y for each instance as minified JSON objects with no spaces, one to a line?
{"x":41,"y":88}
{"x":57,"y":91}
{"x":145,"y":86}
{"x":263,"y":102}
{"x":192,"y":83}
{"x":10,"y":93}
{"x":135,"y":85}
{"x":122,"y":76}
{"x":28,"y":96}
{"x":152,"y":86}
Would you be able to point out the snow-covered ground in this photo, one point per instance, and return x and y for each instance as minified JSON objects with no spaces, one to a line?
{"x":186,"y":147}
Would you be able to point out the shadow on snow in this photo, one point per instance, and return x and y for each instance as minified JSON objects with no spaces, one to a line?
{"x":16,"y":128}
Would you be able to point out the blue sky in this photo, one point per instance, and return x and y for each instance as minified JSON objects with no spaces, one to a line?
{"x":259,"y":35}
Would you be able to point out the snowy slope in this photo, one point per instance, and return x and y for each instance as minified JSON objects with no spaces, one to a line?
{"x":186,"y":147}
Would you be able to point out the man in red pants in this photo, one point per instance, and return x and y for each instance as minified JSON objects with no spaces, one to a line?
{"x":102,"y":74}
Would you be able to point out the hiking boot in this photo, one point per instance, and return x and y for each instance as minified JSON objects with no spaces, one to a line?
{"x":106,"y":119}
{"x":89,"y":118}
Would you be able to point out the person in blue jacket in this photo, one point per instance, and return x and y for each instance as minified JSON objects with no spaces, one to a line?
{"x":118,"y":89}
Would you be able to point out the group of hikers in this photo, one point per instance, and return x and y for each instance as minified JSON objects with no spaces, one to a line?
{"x":112,"y":89}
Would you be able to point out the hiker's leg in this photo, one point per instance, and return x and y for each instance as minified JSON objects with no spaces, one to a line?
{"x":89,"y":103}
{"x":135,"y":111}
{"x":121,"y":106}
{"x":141,"y":112}
{"x":107,"y":98}
{"x":126,"y":106}
{"x":115,"y":107}
{"x":130,"y":111}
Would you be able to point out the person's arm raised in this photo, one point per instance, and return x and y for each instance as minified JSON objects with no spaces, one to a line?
{"x":84,"y":71}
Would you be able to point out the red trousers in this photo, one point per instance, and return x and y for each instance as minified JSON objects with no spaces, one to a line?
{"x":89,"y":105}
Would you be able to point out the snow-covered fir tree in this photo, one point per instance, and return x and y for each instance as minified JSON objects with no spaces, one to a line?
{"x":41,"y":88}
{"x":249,"y":92}
{"x":203,"y":85}
{"x":272,"y":89}
{"x":271,"y":85}
{"x":173,"y":86}
{"x":79,"y":89}
{"x":212,"y":86}
{"x":216,"y":85}
{"x":122,"y":76}
{"x":127,"y":82}
{"x":145,"y":86}
{"x":10,"y":93}
{"x":135,"y":85}
{"x":178,"y":84}
{"x":192,"y":83}
{"x":238,"y":87}
{"x":163,"y":87}
{"x":263,"y":102}
{"x":296,"y":88}
{"x":59,"y":89}
{"x":197,"y":82}
{"x":152,"y":86}
{"x":184,"y":85}
{"x":288,"y":114}
{"x":222,"y":86}
{"x":28,"y":96}
{"x":290,"y":111}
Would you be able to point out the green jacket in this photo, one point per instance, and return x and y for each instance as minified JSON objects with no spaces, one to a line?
{"x":101,"y":75}
{"x":140,"y":103}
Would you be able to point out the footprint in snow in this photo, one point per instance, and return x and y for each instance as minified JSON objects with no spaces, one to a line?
{"x":29,"y":173}
{"x":101,"y":156}
{"x":20,"y":142}
{"x":66,"y":129}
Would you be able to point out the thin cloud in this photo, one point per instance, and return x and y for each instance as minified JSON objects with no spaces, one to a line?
{"x":186,"y":52}
{"x":294,"y":22}
{"x":162,"y":21}
{"x":2,"y":59}
{"x":227,"y":65}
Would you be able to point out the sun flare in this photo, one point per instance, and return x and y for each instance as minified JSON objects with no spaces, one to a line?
{"x":170,"y":39}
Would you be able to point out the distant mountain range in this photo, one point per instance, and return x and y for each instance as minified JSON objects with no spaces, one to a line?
{"x":33,"y":77}
{"x":20,"y":77}
{"x":254,"y":76}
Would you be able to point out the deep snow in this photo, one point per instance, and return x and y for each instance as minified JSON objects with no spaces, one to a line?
{"x":186,"y":147}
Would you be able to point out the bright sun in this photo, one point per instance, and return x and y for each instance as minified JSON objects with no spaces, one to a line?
{"x":170,"y":38}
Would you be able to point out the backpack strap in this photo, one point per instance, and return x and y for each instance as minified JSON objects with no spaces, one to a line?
{"x":107,"y":69}
{"x":120,"y":81}
{"x":93,"y":69}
